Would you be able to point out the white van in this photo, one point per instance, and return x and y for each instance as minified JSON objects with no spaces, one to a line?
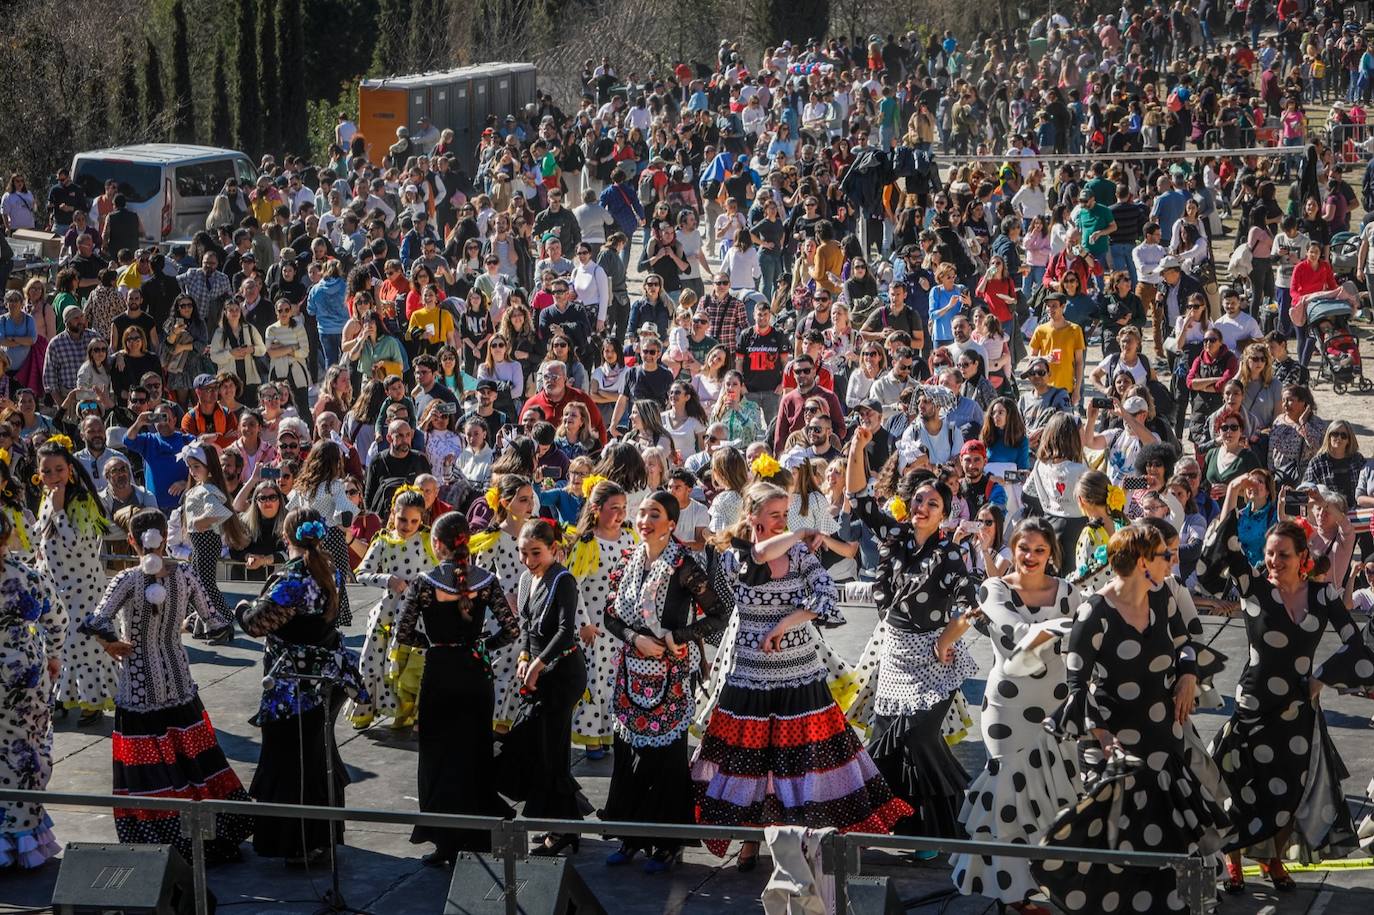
{"x":170,"y":185}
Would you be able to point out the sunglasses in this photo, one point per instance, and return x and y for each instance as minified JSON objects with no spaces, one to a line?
{"x":652,"y":285}
{"x":988,"y":522}
{"x":559,"y":344}
{"x":722,"y":283}
{"x":262,"y":500}
{"x":811,"y":409}
{"x":815,"y":429}
{"x":1339,"y":435}
{"x":1167,"y":555}
{"x":1232,"y":427}
{"x":496,"y":344}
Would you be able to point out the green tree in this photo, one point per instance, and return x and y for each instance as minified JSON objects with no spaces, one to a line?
{"x":154,"y":96}
{"x":126,"y":102}
{"x":182,"y":87}
{"x":294,"y":113}
{"x":248,"y":112}
{"x":391,"y":32}
{"x":220,"y":133}
{"x":269,"y":74}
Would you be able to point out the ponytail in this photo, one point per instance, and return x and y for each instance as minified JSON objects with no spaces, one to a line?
{"x":305,"y":528}
{"x":451,"y":532}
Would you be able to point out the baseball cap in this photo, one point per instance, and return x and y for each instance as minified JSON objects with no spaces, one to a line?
{"x":205,"y":381}
{"x":1036,"y":362}
{"x":1135,"y":404}
{"x":872,"y":404}
{"x":487,"y":384}
{"x":974,"y":446}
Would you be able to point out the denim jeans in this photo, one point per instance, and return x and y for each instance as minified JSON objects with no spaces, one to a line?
{"x":1119,"y":256}
{"x":770,"y":265}
{"x":1031,"y":280}
{"x":331,"y":348}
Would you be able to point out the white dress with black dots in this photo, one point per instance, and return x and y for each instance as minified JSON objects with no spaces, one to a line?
{"x":1030,"y":776}
{"x":503,"y":558}
{"x":72,"y":558}
{"x":385,"y":558}
{"x":206,"y":502}
{"x":591,"y":725}
{"x":33,"y":626}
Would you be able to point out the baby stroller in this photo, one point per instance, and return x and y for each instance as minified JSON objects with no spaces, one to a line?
{"x":1342,"y":365}
{"x":1345,"y":255}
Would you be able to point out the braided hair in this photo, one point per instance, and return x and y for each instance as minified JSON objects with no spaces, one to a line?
{"x":316,"y":559}
{"x":450,"y":536}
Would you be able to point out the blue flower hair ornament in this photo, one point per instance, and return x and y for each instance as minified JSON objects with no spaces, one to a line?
{"x":310,"y":531}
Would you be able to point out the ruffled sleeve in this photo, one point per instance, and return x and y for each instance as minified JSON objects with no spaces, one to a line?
{"x":1351,"y":666}
{"x":1223,"y":560}
{"x":883,"y":525}
{"x":1080,"y":715}
{"x":1185,"y":649}
{"x":821,"y":598}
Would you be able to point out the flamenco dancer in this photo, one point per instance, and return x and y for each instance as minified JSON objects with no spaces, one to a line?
{"x":71,"y":526}
{"x":777,"y":687}
{"x":456,"y":771}
{"x":1131,"y":673}
{"x":600,"y":543}
{"x":204,"y":509}
{"x":33,"y":626}
{"x":1286,"y":801}
{"x":297,"y":614}
{"x":663,"y":606}
{"x":164,"y":743}
{"x":923,"y":583}
{"x":1029,"y":776}
{"x":397,"y":554}
{"x":536,"y":759}
{"x":513,"y":502}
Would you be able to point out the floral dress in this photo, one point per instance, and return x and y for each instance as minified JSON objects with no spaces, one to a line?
{"x":388,"y":555}
{"x":592,"y":718}
{"x":1275,"y":752}
{"x":33,"y":627}
{"x":1030,"y":776}
{"x":69,"y":544}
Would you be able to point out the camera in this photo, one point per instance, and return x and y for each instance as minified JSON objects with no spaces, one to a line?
{"x":1102,"y":403}
{"x":1014,"y":476}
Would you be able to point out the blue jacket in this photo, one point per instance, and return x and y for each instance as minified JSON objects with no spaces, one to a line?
{"x":326,"y":302}
{"x":622,"y":202}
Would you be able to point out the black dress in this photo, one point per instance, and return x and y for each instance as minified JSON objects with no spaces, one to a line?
{"x":919,"y":589}
{"x":1146,"y":798}
{"x":650,"y":780}
{"x":1274,"y":752}
{"x":456,"y":770}
{"x":297,"y":715}
{"x":536,"y":754}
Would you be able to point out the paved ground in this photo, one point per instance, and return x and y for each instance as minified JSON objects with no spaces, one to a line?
{"x":382,"y":873}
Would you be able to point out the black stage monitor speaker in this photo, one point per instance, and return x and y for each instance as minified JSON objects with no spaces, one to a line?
{"x":873,"y":896}
{"x":544,"y":886}
{"x":97,"y":879}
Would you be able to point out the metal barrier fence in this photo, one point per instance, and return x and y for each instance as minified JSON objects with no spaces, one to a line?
{"x":841,"y":855}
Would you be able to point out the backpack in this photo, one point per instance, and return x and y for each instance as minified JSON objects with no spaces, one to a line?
{"x":646,"y":188}
{"x":1241,"y":263}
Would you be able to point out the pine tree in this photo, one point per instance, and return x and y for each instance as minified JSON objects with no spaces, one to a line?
{"x":220,"y":133}
{"x":295,"y":116}
{"x":182,"y":87}
{"x":269,"y":75}
{"x":391,"y":33}
{"x":126,"y":103}
{"x":248,"y":114}
{"x":154,"y":96}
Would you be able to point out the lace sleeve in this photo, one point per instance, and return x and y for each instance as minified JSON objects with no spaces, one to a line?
{"x":495,"y":599}
{"x":408,"y":615}
{"x":275,"y":607}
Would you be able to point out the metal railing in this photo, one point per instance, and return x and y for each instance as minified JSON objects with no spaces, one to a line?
{"x":841,"y":854}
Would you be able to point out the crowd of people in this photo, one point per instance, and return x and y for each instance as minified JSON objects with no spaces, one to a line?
{"x":613,"y":508}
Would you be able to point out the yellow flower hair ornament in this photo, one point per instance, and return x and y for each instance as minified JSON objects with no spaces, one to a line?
{"x":1116,"y":499}
{"x":765,"y":466}
{"x":493,"y":498}
{"x":5,"y":455}
{"x":401,"y":490}
{"x":896,"y":507}
{"x":63,"y":440}
{"x":589,"y":483}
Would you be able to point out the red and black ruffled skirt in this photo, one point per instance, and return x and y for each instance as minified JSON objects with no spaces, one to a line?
{"x":173,"y":753}
{"x":787,"y":756}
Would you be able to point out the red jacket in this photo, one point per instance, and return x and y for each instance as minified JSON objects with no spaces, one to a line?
{"x":554,"y":412}
{"x":791,"y":418}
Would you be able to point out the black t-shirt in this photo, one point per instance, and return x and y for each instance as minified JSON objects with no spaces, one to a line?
{"x":642,"y":384}
{"x":144,"y":322}
{"x":737,"y":186}
{"x":765,"y":357}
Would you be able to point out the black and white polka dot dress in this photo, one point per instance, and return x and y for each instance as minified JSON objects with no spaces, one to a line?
{"x":592,"y":719}
{"x":386,"y":556}
{"x":503,"y":558}
{"x":1145,"y":798}
{"x":1274,"y":752}
{"x":70,"y":553}
{"x":33,"y":626}
{"x":957,"y":724}
{"x":1030,"y":776}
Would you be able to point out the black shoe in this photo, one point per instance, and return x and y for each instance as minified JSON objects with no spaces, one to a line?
{"x":553,"y":844}
{"x":745,"y":865}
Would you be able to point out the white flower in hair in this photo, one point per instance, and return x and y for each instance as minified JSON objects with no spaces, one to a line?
{"x":150,"y":564}
{"x":151,"y":538}
{"x":155,"y":594}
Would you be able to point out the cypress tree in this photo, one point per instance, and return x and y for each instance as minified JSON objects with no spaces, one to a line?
{"x":391,"y":33}
{"x":248,"y":115}
{"x":154,"y":96}
{"x":131,"y":118}
{"x":181,"y":77}
{"x":221,"y":134}
{"x":269,"y":76}
{"x":295,"y":116}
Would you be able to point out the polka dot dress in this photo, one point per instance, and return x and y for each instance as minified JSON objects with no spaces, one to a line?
{"x":206,"y":547}
{"x":32,"y":625}
{"x":72,"y":559}
{"x":385,"y":557}
{"x":503,"y":558}
{"x":591,"y":725}
{"x":1274,"y":752}
{"x":1029,"y":776}
{"x":1145,"y":798}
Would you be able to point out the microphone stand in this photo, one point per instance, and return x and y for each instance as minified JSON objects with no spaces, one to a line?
{"x":333,"y":902}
